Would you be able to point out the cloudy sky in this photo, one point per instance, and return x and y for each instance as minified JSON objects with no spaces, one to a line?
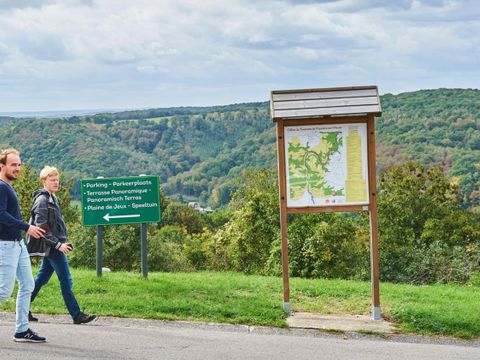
{"x":119,"y":54}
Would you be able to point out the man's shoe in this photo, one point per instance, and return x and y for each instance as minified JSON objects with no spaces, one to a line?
{"x":31,"y":317}
{"x":84,"y":318}
{"x":28,"y":336}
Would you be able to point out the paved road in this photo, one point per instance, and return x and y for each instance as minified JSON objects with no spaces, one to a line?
{"x":113,"y":338}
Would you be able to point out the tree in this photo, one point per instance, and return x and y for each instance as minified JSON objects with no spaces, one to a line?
{"x":245,"y":242}
{"x":328,"y":245}
{"x":26,"y":184}
{"x":419,"y":218}
{"x":184,"y":216}
{"x":165,"y":249}
{"x":199,"y":250}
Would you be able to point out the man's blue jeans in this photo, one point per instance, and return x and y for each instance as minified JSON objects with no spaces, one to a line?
{"x":15,"y":263}
{"x":58,"y":262}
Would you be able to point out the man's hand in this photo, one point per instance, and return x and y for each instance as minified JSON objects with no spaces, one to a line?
{"x":64,"y":249}
{"x":35,"y":231}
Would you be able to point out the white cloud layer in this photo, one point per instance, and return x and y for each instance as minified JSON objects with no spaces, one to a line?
{"x":85,"y":54}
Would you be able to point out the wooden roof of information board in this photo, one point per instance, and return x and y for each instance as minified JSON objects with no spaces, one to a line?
{"x":314,"y":103}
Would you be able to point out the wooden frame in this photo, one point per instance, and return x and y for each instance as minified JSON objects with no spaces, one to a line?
{"x":368,"y":119}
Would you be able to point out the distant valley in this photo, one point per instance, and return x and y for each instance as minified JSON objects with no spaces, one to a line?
{"x":200,"y":153}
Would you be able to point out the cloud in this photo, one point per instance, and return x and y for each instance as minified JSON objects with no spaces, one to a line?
{"x":21,"y":4}
{"x":147,"y":53}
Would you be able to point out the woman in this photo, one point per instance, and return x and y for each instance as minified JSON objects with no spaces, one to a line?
{"x":46,"y":213}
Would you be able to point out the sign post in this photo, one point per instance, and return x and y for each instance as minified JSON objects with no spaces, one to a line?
{"x":326,"y":161}
{"x":115,"y":201}
{"x":99,"y":262}
{"x":144,"y":249}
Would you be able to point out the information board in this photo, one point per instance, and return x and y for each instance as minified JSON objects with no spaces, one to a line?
{"x":326,"y":165}
{"x":120,"y":200}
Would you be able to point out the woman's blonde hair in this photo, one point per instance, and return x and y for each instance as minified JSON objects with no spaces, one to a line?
{"x":48,"y":171}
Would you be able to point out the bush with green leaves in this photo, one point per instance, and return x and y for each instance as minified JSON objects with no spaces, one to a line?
{"x":24,"y":186}
{"x":200,"y":251}
{"x":121,"y":246}
{"x":83,"y":239}
{"x":329,"y":245}
{"x":425,"y":236}
{"x":439,"y":262}
{"x":320,"y":245}
{"x":245,"y":241}
{"x":423,"y":232}
{"x":184,"y":216}
{"x":165,"y":249}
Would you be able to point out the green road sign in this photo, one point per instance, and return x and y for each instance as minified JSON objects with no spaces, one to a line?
{"x":120,"y":200}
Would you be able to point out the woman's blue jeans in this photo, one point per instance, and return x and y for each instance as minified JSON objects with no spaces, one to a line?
{"x":58,"y":263}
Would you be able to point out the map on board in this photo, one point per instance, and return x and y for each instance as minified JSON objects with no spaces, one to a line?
{"x":326,"y":165}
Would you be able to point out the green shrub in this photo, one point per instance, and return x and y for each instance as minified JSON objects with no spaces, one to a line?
{"x":84,"y":241}
{"x":326,"y":246}
{"x":199,"y":250}
{"x":474,"y":279}
{"x":165,"y":250}
{"x":244,"y":243}
{"x":440,"y":263}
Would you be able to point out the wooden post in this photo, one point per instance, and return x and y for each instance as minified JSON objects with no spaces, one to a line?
{"x":283,"y":214}
{"x":372,"y":186}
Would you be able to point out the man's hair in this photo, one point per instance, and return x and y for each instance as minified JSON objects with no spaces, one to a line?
{"x":5,"y":153}
{"x":48,"y":171}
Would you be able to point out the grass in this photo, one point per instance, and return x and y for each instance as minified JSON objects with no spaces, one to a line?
{"x":435,"y":309}
{"x":234,"y":298}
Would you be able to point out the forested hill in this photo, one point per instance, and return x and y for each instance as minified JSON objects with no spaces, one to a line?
{"x":199,"y":152}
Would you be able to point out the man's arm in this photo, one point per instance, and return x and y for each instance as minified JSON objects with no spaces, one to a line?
{"x":5,"y":217}
{"x":10,"y":221}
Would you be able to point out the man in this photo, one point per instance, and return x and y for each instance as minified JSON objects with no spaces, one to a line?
{"x":14,"y":257}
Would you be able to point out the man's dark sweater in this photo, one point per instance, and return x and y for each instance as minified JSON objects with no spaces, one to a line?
{"x":11,"y":224}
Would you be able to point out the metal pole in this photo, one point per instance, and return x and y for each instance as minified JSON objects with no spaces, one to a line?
{"x":144,"y":252}
{"x":99,"y":250}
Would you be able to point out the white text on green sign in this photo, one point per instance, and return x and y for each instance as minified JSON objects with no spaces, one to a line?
{"x":120,"y":200}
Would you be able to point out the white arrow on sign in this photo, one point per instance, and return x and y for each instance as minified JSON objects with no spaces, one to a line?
{"x":108,"y":216}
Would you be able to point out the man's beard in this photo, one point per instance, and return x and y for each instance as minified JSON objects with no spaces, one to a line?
{"x":11,"y":177}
